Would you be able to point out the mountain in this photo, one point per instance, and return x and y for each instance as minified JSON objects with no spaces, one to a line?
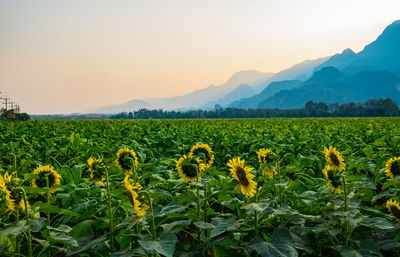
{"x":339,"y":61}
{"x":355,"y":76}
{"x":270,"y":90}
{"x":197,"y":98}
{"x":381,"y":54}
{"x":243,"y":90}
{"x":132,"y":105}
{"x":330,"y":85}
{"x":300,"y":71}
{"x":200,"y":97}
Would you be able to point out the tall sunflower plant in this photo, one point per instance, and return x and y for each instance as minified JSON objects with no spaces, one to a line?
{"x":335,"y":174}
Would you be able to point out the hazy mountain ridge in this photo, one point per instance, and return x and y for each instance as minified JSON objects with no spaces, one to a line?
{"x":381,"y":56}
{"x":330,"y":85}
{"x":273,"y":88}
{"x":196,"y":99}
{"x":377,"y":65}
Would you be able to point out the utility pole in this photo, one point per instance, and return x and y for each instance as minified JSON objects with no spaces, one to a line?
{"x":6,"y":101}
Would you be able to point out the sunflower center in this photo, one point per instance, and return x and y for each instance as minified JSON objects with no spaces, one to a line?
{"x":98,"y":170}
{"x":130,"y":197}
{"x":126,"y":161}
{"x":335,"y":159}
{"x":190,"y":169}
{"x":268,"y":158}
{"x":202,"y":153}
{"x":334,"y":178}
{"x":241,"y":174}
{"x":16,"y":195}
{"x":395,"y":211}
{"x":42,"y":181}
{"x":395,"y":169}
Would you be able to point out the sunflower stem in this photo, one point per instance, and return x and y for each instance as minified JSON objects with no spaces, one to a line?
{"x":198,"y":207}
{"x":256,"y":216}
{"x":29,"y":239}
{"x":18,"y":242}
{"x":346,"y":209}
{"x":47,"y":213}
{"x":153,"y":223}
{"x":205,"y":206}
{"x":110,"y":214}
{"x":279,"y":181}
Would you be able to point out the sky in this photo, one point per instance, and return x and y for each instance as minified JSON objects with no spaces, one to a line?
{"x":66,"y":56}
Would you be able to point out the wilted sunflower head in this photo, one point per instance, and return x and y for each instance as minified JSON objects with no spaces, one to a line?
{"x":334,"y":159}
{"x":266,"y":156}
{"x":189,"y":168}
{"x":97,"y":170}
{"x":333,"y":178}
{"x":141,"y":209}
{"x":393,"y":169}
{"x":47,"y":174}
{"x":127,"y":160}
{"x":243,"y":175}
{"x":9,"y":185}
{"x":203,"y":152}
{"x":270,"y":171}
{"x":394,"y":208}
{"x":130,"y":183}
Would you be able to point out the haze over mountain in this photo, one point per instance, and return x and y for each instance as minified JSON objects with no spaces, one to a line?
{"x":377,"y":66}
{"x":270,"y":90}
{"x":344,"y":77}
{"x":330,"y":85}
{"x":196,"y":99}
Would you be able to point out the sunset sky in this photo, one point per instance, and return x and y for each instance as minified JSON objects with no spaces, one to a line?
{"x":68,"y":56}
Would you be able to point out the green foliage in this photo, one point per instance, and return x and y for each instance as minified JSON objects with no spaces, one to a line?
{"x":295,"y":216}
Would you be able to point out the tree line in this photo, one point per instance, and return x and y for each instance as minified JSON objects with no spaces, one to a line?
{"x":371,"y":108}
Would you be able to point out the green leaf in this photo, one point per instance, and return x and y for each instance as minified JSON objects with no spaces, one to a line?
{"x":176,"y":225}
{"x":63,"y":239}
{"x":46,"y":207}
{"x":5,"y":244}
{"x":260,"y":207}
{"x":347,"y":251}
{"x":90,"y":245}
{"x":378,"y":222}
{"x":174,"y":207}
{"x":203,"y":225}
{"x":223,"y":225}
{"x":30,"y":176}
{"x":83,"y":229}
{"x":266,"y":249}
{"x":37,"y":224}
{"x":164,"y":246}
{"x":16,"y":229}
{"x":310,"y":180}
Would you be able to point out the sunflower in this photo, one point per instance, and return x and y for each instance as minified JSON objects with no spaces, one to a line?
{"x":393,"y":168}
{"x":14,"y":196}
{"x":97,"y":170}
{"x":126,"y":160}
{"x":189,"y":168}
{"x":129,"y":183}
{"x":394,"y":208}
{"x":334,"y":159}
{"x":50,"y":173}
{"x":141,"y":209}
{"x":266,"y":156}
{"x":333,"y":179}
{"x":204,"y":152}
{"x":242,"y":174}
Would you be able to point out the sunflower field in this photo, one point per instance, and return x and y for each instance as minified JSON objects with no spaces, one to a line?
{"x":240,"y":187}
